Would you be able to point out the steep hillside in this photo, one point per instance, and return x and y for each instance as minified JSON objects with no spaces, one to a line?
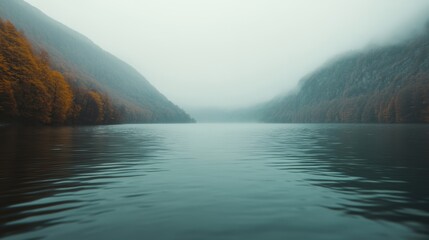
{"x":380,"y":85}
{"x":30,"y":91}
{"x":85,"y":64}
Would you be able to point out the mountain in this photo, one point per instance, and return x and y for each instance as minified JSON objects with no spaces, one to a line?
{"x":85,"y":65}
{"x":29,"y":89}
{"x":388,"y":84}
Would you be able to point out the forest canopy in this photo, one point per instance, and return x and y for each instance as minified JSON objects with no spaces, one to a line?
{"x":379,"y":85}
{"x":31,"y":91}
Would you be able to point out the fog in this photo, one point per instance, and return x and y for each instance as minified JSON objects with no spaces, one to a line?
{"x":234,"y":53}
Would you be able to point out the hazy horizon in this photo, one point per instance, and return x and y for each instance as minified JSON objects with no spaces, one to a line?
{"x":229,"y":54}
{"x":90,"y":150}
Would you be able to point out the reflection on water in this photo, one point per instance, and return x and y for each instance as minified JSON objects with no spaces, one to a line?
{"x":236,"y":181}
{"x":382,"y":171}
{"x":39,"y":163}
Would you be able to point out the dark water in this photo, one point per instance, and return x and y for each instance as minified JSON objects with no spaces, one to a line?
{"x":236,"y":181}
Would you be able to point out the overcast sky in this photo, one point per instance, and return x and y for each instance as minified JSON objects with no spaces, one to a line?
{"x":233,"y":53}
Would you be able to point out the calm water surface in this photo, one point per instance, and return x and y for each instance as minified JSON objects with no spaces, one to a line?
{"x":215,"y":181}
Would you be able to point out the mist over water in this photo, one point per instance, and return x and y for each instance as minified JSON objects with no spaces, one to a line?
{"x":215,"y":181}
{"x":234,"y":53}
{"x":220,"y":61}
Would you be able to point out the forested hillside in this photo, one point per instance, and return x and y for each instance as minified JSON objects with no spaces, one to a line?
{"x":378,"y":85}
{"x":86,"y":66}
{"x":30,"y":91}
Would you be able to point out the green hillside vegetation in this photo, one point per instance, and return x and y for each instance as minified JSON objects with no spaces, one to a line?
{"x":380,"y":85}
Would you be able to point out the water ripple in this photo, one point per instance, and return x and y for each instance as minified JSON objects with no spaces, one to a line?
{"x":236,"y":181}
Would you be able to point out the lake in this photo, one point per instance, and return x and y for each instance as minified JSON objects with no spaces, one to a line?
{"x":215,"y":181}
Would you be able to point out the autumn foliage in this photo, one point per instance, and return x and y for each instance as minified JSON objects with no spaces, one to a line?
{"x":31,"y":91}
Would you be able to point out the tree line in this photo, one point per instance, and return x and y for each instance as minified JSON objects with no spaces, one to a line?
{"x":381,"y":85}
{"x":31,"y":91}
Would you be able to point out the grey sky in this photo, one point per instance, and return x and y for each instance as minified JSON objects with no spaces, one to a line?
{"x":231,"y":53}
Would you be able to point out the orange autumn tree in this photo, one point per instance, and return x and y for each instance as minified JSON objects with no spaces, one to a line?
{"x":29,"y":89}
{"x":61,"y":100}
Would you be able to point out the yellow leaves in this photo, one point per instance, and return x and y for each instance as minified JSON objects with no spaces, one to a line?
{"x":62,"y":98}
{"x":31,"y":91}
{"x":7,"y":99}
{"x":95,"y":107}
{"x":32,"y":97}
{"x":3,"y":67}
{"x":29,"y":88}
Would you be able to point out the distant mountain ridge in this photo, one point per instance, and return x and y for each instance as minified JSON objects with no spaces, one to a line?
{"x":379,"y":85}
{"x":86,"y":64}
